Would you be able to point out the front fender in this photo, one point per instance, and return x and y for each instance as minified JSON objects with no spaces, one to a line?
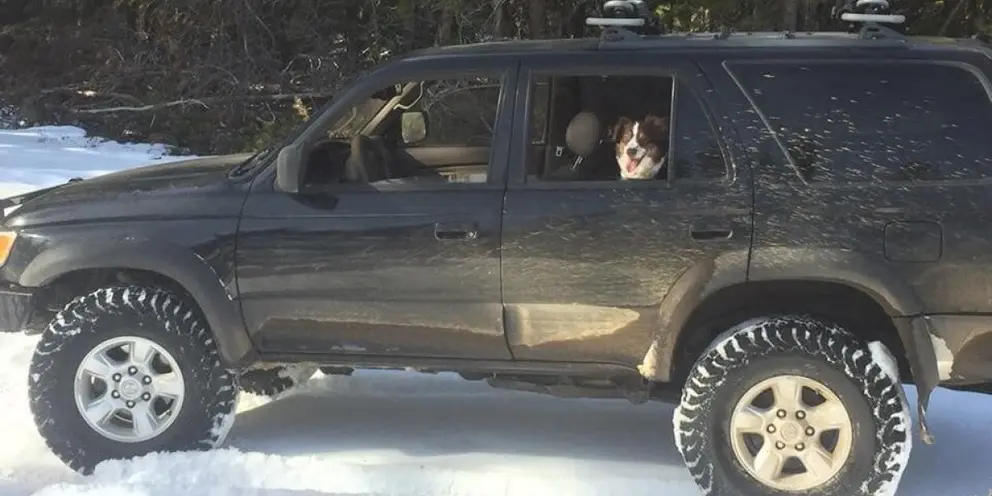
{"x":181,"y":264}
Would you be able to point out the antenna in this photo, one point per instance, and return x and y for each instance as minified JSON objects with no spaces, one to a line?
{"x":623,"y":20}
{"x":872,"y":13}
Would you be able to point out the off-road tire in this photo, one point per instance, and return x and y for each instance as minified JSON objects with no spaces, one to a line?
{"x":210,"y":397}
{"x":275,"y":380}
{"x":763,"y":348}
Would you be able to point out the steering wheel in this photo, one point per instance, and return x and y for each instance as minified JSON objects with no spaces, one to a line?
{"x":368,"y":162}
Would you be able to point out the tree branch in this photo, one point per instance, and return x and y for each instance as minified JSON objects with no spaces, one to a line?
{"x":954,"y":14}
{"x":203,"y":102}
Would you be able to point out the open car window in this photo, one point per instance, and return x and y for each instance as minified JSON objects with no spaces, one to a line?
{"x":359,"y":115}
{"x":461,"y":112}
{"x":424,"y":132}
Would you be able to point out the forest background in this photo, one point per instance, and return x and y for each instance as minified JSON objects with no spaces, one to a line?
{"x":224,"y":76}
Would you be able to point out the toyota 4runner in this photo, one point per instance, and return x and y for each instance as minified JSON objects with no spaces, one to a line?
{"x":773,"y":230}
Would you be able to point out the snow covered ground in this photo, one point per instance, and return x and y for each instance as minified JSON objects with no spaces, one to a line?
{"x":398,"y":434}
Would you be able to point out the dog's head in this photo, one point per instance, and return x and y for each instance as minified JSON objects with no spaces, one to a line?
{"x":641,"y":146}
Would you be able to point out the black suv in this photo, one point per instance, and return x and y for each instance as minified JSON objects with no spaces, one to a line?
{"x":774,"y":230}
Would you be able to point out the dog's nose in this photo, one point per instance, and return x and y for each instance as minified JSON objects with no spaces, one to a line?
{"x":632,"y":153}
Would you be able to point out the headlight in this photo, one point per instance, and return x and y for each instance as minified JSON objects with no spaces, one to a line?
{"x":6,"y":245}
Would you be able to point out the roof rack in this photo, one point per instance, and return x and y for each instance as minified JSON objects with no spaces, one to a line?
{"x":625,"y":20}
{"x":872,"y":13}
{"x":626,"y":23}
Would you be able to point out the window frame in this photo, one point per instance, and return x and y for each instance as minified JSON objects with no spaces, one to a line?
{"x":683,"y":74}
{"x":728,"y":66}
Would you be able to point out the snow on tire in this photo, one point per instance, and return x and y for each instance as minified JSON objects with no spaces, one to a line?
{"x":750,"y":421}
{"x":276,"y":380}
{"x":125,"y":371}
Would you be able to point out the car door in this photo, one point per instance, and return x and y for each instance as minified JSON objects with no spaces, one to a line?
{"x":391,"y":268}
{"x":588,"y":263}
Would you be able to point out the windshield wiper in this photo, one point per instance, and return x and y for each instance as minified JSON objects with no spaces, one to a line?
{"x":250,"y":163}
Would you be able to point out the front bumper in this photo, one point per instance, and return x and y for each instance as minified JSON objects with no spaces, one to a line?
{"x":16,"y":306}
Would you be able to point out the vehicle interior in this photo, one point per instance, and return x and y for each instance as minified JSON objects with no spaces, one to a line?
{"x":416,"y":132}
{"x":390,"y":137}
{"x":573,"y":133}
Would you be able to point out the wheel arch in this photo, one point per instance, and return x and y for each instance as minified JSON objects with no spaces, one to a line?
{"x":182,"y":270}
{"x":840,"y":302}
{"x":784,"y":280}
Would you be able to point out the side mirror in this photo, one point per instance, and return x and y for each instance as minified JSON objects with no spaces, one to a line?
{"x":413,"y":127}
{"x":289,"y":169}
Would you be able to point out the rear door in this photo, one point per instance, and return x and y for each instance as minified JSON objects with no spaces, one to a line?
{"x":587,"y":263}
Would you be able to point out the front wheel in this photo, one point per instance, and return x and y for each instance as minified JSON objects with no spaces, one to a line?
{"x":126,"y":371}
{"x":790,"y":406}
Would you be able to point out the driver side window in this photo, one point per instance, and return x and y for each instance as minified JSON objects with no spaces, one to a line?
{"x":460,"y":112}
{"x":424,"y":132}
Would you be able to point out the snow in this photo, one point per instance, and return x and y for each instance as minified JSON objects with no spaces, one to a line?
{"x":400,"y":433}
{"x":45,"y":156}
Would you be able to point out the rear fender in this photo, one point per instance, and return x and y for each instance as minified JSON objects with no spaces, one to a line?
{"x":872,"y":277}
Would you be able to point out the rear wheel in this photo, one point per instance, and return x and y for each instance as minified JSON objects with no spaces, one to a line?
{"x":793,"y":405}
{"x":126,"y":371}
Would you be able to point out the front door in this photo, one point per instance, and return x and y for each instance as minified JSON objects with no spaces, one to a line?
{"x":589,"y":257}
{"x":401,"y":258}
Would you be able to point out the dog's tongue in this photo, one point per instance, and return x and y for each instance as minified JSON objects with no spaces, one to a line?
{"x":631,"y":165}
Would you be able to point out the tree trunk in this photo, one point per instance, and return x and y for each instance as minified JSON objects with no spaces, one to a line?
{"x":503,"y":21}
{"x":538,"y":15}
{"x":790,"y":12}
{"x":408,"y":10}
{"x":447,"y":24}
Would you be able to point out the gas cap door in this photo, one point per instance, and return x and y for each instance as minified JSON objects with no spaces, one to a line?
{"x":913,"y":241}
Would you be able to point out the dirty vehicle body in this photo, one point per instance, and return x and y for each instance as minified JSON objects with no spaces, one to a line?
{"x":819,"y":237}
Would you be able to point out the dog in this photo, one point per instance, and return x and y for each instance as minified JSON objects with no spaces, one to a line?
{"x":642,"y":146}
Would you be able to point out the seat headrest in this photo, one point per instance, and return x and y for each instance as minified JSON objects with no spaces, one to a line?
{"x":583,"y":134}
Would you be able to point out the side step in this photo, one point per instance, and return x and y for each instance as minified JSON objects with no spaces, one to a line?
{"x":635,"y":389}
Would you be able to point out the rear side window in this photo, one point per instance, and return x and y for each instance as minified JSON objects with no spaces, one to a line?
{"x":851,"y":122}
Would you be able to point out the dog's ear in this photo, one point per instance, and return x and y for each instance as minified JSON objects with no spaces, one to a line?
{"x":660,"y":121}
{"x":658,"y":126}
{"x":666,"y":122}
{"x":618,"y":129}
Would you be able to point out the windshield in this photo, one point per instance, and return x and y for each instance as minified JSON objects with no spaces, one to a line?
{"x":345,"y":127}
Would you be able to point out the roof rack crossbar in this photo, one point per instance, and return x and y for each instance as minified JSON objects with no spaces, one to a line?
{"x":624,"y":21}
{"x":872,"y":14}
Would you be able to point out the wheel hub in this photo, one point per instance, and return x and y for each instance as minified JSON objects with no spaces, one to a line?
{"x":790,"y":432}
{"x":767,"y":438}
{"x":129,"y":389}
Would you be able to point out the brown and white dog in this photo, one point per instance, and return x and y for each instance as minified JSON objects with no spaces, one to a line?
{"x":641,"y":146}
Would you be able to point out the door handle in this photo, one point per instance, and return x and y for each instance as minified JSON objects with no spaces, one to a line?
{"x":448,"y":231}
{"x":711,"y":234}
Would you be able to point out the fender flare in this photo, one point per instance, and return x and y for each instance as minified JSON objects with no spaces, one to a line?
{"x":861,"y":272}
{"x":690,"y":290}
{"x":182,"y":265}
